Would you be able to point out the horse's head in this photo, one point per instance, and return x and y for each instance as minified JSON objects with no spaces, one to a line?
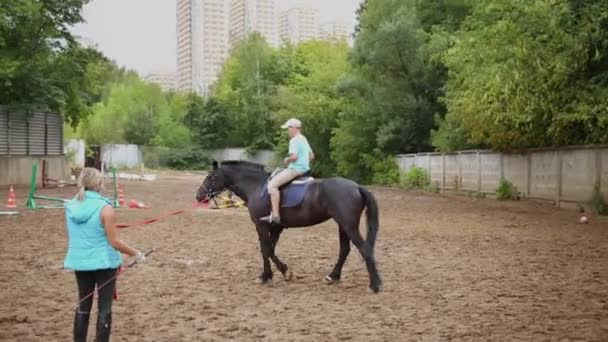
{"x":214,"y":183}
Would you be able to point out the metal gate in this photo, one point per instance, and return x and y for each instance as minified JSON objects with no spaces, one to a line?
{"x":30,"y":134}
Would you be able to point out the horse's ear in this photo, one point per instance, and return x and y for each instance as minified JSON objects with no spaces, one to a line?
{"x":215,"y":164}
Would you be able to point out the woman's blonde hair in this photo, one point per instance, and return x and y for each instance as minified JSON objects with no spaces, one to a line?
{"x":90,"y":179}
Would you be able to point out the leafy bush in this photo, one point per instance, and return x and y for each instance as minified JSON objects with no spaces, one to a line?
{"x":191,"y":158}
{"x":151,"y":160}
{"x":597,"y":203}
{"x":188,"y":159}
{"x":416,"y":177}
{"x":385,"y":171}
{"x":506,"y":190}
{"x":432,"y":187}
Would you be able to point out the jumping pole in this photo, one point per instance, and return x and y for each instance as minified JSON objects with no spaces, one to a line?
{"x":60,"y":202}
{"x":32,"y":197}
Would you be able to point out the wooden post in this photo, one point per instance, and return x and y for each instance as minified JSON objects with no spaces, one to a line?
{"x":501,"y":166}
{"x":598,"y":169}
{"x":478,"y":172}
{"x":558,"y":179}
{"x":443,"y":172}
{"x":459,"y":171}
{"x":529,"y":175}
{"x":428,"y":163}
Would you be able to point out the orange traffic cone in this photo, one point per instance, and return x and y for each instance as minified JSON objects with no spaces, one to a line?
{"x":12,"y":198}
{"x":121,"y":196}
{"x":136,"y":205}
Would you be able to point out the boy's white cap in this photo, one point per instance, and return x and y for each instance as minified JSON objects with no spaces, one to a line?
{"x":292,"y":123}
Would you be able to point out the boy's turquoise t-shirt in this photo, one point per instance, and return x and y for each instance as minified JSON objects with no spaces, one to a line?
{"x":299,"y":146}
{"x":88,"y":245}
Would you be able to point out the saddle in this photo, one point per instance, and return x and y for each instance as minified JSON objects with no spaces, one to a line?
{"x":292,"y":192}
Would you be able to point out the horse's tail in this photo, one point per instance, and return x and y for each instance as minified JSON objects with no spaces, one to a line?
{"x":372,"y":218}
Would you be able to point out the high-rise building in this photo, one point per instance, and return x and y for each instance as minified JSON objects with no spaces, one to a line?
{"x":166,"y":80}
{"x":334,"y":30}
{"x":202,"y":43}
{"x":298,"y":24}
{"x":248,"y":16}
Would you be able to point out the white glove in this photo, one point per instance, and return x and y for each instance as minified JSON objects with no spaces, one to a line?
{"x":140,"y":257}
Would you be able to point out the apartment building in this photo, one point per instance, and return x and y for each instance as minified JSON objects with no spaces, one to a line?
{"x":202,"y":43}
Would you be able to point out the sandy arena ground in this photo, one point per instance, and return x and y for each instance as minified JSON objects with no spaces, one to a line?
{"x":454,"y":269}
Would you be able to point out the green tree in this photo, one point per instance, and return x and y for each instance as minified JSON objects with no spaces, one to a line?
{"x":392,"y":90}
{"x":209,"y":122}
{"x":450,"y":136}
{"x":172,"y":132}
{"x":138,"y":113}
{"x":41,"y":66}
{"x":531,"y":73}
{"x":247,"y":85}
{"x":312,"y":96}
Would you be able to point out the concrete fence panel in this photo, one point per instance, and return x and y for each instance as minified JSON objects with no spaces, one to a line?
{"x":423,"y":161}
{"x":436,"y":173}
{"x":452,"y":177}
{"x":579,"y":170}
{"x":490,"y":171}
{"x":405,"y":162}
{"x":75,"y":147}
{"x":17,"y":170}
{"x":515,"y":170}
{"x":544,"y":169}
{"x":469,"y":166}
{"x":559,"y":175}
{"x":121,"y":155}
{"x":603,"y":172}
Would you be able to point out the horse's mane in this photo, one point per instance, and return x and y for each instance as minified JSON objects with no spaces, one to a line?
{"x":245,"y":164}
{"x":242,"y":163}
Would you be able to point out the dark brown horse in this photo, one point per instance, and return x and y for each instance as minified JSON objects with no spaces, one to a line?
{"x":337,"y":198}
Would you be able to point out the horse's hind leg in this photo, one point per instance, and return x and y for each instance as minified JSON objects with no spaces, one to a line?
{"x":335,"y":275}
{"x":275,"y":234}
{"x":362,"y":246}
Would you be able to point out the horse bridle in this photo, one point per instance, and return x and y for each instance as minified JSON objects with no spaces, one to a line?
{"x":210,"y":194}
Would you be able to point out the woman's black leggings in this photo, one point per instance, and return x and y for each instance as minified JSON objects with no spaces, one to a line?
{"x":86,"y":284}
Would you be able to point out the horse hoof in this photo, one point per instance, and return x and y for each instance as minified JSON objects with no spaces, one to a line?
{"x":288,"y":276}
{"x":329,"y":280}
{"x":375,"y":288}
{"x":261,"y":281}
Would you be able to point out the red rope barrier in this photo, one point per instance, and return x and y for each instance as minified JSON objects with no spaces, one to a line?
{"x":145,"y":222}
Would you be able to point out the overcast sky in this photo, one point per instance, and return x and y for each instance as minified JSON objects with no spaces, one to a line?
{"x":140,"y":34}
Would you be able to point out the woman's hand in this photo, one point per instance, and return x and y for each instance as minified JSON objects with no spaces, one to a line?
{"x":140,"y":257}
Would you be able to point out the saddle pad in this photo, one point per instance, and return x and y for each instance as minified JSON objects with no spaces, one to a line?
{"x":292,"y":194}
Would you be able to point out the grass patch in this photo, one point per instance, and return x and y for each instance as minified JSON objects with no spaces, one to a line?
{"x":506,"y":190}
{"x":416,"y":178}
{"x":597,"y":203}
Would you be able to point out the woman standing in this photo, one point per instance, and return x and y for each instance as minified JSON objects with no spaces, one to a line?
{"x":94,"y":253}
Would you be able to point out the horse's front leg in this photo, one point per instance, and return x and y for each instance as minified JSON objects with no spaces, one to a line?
{"x":275,"y":234}
{"x":266,"y":248}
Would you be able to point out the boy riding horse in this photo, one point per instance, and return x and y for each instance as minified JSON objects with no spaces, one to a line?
{"x":298,"y":163}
